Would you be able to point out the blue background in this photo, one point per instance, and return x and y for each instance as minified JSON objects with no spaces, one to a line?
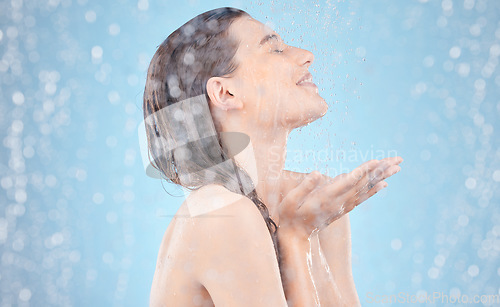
{"x":81,"y":223}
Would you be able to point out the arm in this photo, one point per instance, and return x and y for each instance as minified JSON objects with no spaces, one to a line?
{"x":334,"y":243}
{"x":328,"y":291}
{"x":295,"y":255}
{"x":317,"y":203}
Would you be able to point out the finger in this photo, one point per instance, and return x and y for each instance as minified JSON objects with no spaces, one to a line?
{"x":391,"y":164}
{"x":393,"y":160}
{"x":299,"y":193}
{"x":391,"y":171}
{"x":347,"y":187}
{"x":377,"y":188}
{"x":387,"y":168}
{"x":368,"y":182}
{"x":366,"y":166}
{"x":358,"y":173}
{"x":377,"y":183}
{"x":389,"y":160}
{"x":382,"y":172}
{"x":381,"y":175}
{"x":375,"y":176}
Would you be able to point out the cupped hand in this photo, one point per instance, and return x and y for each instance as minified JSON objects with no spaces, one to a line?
{"x":319,"y":200}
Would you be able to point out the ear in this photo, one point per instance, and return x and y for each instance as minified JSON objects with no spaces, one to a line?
{"x":218,"y":89}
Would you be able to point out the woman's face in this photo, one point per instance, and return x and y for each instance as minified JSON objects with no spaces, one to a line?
{"x":272,"y":78}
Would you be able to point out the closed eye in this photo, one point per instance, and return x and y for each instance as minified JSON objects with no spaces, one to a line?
{"x":273,"y":39}
{"x":277,"y":46}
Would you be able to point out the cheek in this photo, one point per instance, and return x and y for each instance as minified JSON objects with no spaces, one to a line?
{"x":261,"y":86}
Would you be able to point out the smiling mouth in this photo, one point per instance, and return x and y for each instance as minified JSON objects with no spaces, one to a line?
{"x":307,"y":81}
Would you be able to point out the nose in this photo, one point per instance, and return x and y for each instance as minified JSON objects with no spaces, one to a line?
{"x":303,"y":57}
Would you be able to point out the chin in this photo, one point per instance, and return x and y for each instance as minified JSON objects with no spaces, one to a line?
{"x":310,"y":115}
{"x":319,"y":110}
{"x":303,"y":114}
{"x":324,"y":106}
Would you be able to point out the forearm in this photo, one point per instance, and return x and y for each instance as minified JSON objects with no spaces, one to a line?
{"x":335,"y":242}
{"x":328,"y":291}
{"x":296,"y":269}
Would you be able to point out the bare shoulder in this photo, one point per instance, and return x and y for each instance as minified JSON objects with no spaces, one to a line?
{"x":211,"y":198}
{"x":220,"y":243}
{"x":220,"y":215}
{"x":238,"y":265}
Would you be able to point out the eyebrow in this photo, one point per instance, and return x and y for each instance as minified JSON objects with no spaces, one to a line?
{"x":267,"y":38}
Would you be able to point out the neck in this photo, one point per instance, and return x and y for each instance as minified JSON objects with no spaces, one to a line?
{"x":264,"y":160}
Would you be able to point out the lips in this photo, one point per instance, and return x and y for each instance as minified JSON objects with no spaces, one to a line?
{"x":307,"y":80}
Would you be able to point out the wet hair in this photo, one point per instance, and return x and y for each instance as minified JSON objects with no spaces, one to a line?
{"x":200,"y":49}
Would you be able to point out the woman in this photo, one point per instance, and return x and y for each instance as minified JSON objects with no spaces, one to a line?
{"x":222,"y":94}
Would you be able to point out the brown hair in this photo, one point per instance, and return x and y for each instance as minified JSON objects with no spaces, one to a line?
{"x":179,"y":70}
